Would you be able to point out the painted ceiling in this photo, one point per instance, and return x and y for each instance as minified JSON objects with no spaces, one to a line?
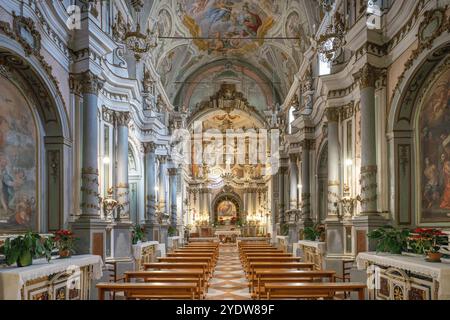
{"x":204,"y":43}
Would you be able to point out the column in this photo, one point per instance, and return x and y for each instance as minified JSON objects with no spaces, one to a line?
{"x":150,"y":182}
{"x":369,"y":219}
{"x":334,"y":225}
{"x":162,"y":184}
{"x":173,"y":196}
{"x":122,"y":187}
{"x":89,"y":226}
{"x":293,"y":175}
{"x":90,"y":84}
{"x":368,"y":175}
{"x":282,"y":197}
{"x":306,"y":183}
{"x":333,"y":163}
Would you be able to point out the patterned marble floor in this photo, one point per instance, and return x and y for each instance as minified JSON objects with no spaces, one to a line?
{"x":228,"y":282}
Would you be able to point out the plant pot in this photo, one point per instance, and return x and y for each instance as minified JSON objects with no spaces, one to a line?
{"x":322,"y":238}
{"x":25,"y":259}
{"x":434,"y":256}
{"x":65,"y":254}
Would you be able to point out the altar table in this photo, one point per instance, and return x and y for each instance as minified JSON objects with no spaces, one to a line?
{"x":400,"y":277}
{"x":60,"y":279}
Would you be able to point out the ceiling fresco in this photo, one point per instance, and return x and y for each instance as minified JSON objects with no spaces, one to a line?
{"x":264,"y":39}
{"x":229,"y":26}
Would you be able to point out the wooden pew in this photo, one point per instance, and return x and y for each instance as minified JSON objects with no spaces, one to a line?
{"x":250,"y":260}
{"x":277,"y":265}
{"x":195,"y":276}
{"x":194,"y":254}
{"x":189,"y":260}
{"x":150,"y":290}
{"x":312,"y":290}
{"x":179,"y":265}
{"x":272,"y":275}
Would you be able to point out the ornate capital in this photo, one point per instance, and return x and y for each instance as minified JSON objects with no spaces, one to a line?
{"x":86,"y":83}
{"x":162,"y":158}
{"x":122,"y":118}
{"x":149,"y":147}
{"x":332,"y":114}
{"x":367,"y":76}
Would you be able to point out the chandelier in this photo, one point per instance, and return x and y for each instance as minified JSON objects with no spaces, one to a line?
{"x":136,"y":41}
{"x":330,"y":43}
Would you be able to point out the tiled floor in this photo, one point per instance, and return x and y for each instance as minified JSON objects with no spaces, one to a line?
{"x":228,"y":282}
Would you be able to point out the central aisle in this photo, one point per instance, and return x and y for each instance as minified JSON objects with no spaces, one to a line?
{"x":228,"y":282}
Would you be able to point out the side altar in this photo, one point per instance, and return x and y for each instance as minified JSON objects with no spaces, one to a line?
{"x":59,"y":279}
{"x":399,"y":277}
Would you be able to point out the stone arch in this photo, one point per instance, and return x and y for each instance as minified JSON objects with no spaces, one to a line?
{"x":36,"y":84}
{"x":403,"y":135}
{"x":230,"y":196}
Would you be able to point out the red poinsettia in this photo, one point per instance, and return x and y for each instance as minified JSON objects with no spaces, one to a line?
{"x":64,"y":239}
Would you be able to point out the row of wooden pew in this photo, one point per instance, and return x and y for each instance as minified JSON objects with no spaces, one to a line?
{"x":274,"y":274}
{"x":183,"y":274}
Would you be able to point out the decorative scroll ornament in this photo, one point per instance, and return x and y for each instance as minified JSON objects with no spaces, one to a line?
{"x":140,"y":43}
{"x":330,"y":43}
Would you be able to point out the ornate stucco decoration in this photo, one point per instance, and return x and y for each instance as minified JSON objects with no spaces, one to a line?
{"x":27,"y":35}
{"x":434,"y":24}
{"x":226,"y":99}
{"x":6,"y":29}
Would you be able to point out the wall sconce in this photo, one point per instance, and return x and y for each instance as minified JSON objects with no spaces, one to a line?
{"x":106,"y":160}
{"x":349,"y":162}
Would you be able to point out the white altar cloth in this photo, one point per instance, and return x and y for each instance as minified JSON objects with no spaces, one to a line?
{"x":13,"y":278}
{"x":137,"y":248}
{"x":438,"y":271}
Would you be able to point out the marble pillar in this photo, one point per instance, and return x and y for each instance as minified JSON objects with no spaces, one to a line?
{"x":293,"y":175}
{"x":162,"y":192}
{"x":151,"y":222}
{"x":122,"y":186}
{"x":306,"y":220}
{"x":369,"y":218}
{"x":173,"y":172}
{"x":282,"y":196}
{"x":368,"y":175}
{"x":121,"y":226}
{"x":89,"y":226}
{"x":334,"y":226}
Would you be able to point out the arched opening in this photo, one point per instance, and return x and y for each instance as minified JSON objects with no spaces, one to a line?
{"x":419,"y":142}
{"x":34,"y":149}
{"x":227,"y":209}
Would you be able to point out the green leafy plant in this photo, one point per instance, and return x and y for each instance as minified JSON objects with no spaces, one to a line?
{"x":284,"y":229}
{"x":23,"y":248}
{"x":314,"y":233}
{"x":137,"y":234}
{"x":172,"y":231}
{"x":390,"y":239}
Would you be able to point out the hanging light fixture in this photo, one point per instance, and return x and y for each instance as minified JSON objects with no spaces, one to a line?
{"x":330,"y":43}
{"x":136,"y":41}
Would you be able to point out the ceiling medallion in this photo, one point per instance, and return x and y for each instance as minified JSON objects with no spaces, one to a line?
{"x":330,"y":43}
{"x":136,"y":41}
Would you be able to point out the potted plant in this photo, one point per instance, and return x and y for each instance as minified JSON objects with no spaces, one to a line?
{"x":172,"y":231}
{"x":427,"y":241}
{"x":23,"y":248}
{"x":65,"y":242}
{"x":390,"y":239}
{"x":137,"y":234}
{"x":316,"y":233}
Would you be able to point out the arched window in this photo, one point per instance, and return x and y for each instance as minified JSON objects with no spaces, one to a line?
{"x":324,"y":67}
